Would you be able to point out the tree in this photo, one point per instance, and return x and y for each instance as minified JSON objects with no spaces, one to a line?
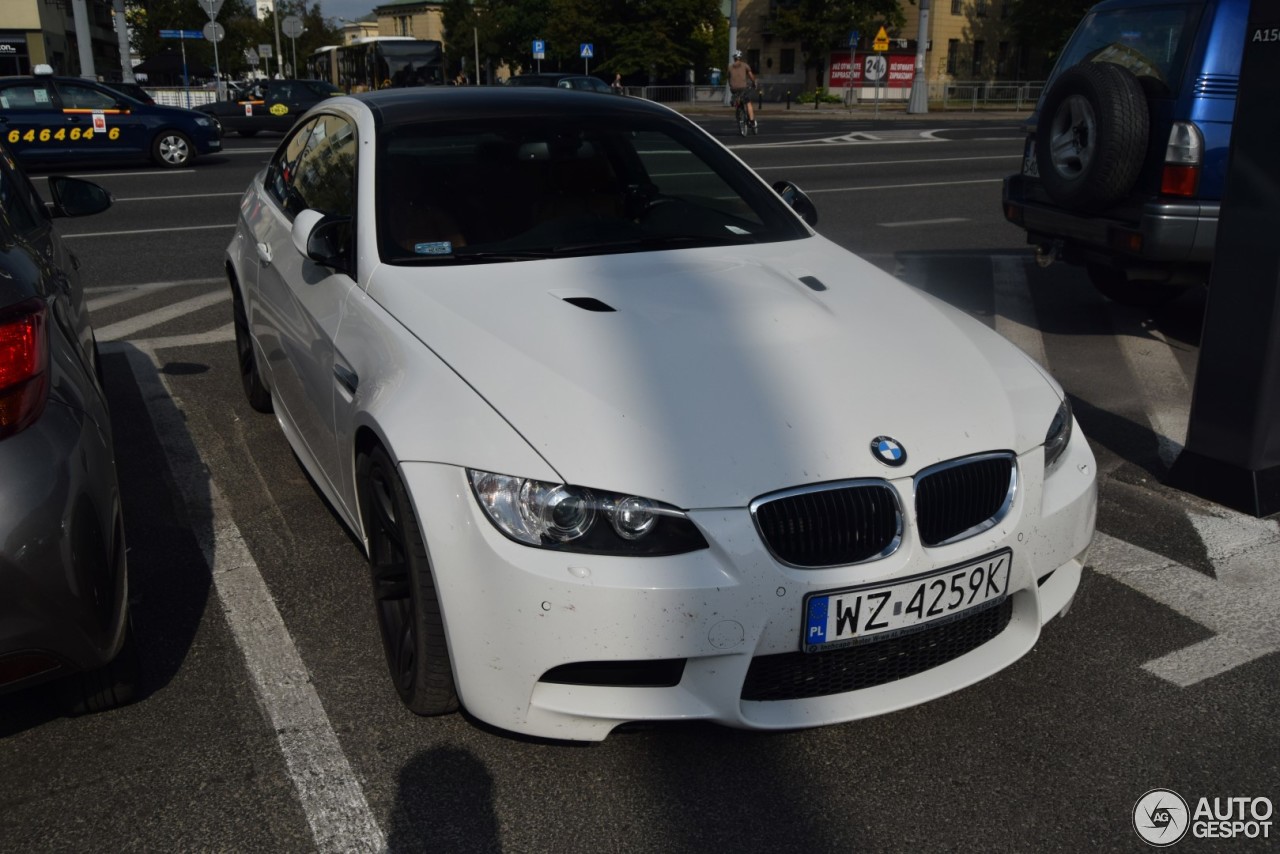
{"x":822,"y":25}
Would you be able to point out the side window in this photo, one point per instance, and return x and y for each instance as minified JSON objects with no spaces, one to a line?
{"x":22,"y":208}
{"x":325,"y":179}
{"x":26,"y":96}
{"x":77,"y":97}
{"x":281,"y":170}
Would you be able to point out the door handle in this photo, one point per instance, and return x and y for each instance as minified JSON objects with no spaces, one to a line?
{"x":264,"y":253}
{"x":346,"y":377}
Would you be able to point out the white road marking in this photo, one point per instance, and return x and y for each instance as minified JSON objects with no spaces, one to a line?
{"x":1015,"y":313}
{"x":1240,"y":606}
{"x":140,"y":172}
{"x":185,"y":196}
{"x":127,"y":328}
{"x":1163,"y":385}
{"x":903,"y":186}
{"x":883,"y":163}
{"x":149,"y":230}
{"x":330,"y":795}
{"x":912,"y":222}
{"x":126,"y":293}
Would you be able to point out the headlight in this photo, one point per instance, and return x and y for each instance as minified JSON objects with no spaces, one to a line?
{"x":577,"y":519}
{"x":1059,"y":435}
{"x":204,"y":123}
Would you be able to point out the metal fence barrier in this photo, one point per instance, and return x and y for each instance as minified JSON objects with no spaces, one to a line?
{"x":943,"y":95}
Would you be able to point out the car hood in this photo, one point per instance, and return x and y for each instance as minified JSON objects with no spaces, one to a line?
{"x":719,"y":374}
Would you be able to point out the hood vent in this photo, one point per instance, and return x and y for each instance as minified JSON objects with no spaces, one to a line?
{"x":589,"y":303}
{"x":813,"y":282}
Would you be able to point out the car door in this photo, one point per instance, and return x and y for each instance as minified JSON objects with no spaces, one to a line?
{"x":32,"y":121}
{"x":100,"y":124}
{"x":301,"y":301}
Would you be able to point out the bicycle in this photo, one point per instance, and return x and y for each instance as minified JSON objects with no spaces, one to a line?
{"x":740,"y":114}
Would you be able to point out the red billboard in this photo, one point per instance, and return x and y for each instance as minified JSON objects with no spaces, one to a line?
{"x":897,"y":72}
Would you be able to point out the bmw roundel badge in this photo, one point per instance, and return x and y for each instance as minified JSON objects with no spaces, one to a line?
{"x":888,"y":451}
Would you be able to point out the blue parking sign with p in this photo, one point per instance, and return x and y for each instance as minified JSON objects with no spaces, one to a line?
{"x":586,"y":50}
{"x":539,"y":48}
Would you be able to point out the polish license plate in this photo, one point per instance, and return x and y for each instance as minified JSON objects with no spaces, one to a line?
{"x":1029,"y":166}
{"x":877,"y":612}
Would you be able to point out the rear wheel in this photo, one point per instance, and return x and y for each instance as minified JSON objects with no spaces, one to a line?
{"x":173,"y":149}
{"x":740,"y":114}
{"x":114,"y":684}
{"x":255,"y":390}
{"x":1117,"y":287}
{"x":404,"y":591}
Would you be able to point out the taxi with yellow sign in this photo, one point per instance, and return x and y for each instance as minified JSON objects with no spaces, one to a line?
{"x":271,"y":105}
{"x":49,"y":119}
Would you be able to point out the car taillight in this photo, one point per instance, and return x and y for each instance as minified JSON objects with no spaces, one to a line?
{"x":1183,"y":157}
{"x":24,"y":364}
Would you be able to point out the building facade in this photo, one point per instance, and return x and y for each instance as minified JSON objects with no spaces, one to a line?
{"x":33,"y":32}
{"x":414,"y":18}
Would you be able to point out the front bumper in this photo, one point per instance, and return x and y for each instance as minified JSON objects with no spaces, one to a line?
{"x":512,"y":613}
{"x":1157,"y":232}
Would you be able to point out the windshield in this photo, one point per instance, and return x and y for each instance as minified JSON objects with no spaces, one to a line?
{"x":499,"y":189}
{"x":1152,"y":42}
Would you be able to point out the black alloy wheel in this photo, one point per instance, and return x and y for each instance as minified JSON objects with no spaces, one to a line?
{"x":404,"y":592}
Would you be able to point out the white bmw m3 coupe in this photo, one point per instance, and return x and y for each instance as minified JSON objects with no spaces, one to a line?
{"x":625,"y":439}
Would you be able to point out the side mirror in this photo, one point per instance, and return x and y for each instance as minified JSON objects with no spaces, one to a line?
{"x":77,"y":197}
{"x":798,"y":201}
{"x":323,"y":238}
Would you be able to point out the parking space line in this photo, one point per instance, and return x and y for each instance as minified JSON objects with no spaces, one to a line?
{"x":1239,"y":606}
{"x":329,"y":793}
{"x":903,"y":186}
{"x":911,"y":222}
{"x":150,"y":230}
{"x":877,"y":163}
{"x":126,"y":328}
{"x":102,"y":298}
{"x":1015,"y":313}
{"x":184,"y":196}
{"x":1162,"y":383}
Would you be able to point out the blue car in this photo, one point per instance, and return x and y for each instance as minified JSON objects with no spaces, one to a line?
{"x":1126,"y":156}
{"x":48,"y":119}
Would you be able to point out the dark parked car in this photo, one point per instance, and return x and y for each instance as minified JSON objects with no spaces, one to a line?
{"x":272,"y":105}
{"x":48,"y":119}
{"x":1126,"y":156}
{"x":63,"y":582}
{"x":133,"y":90}
{"x":563,"y":81}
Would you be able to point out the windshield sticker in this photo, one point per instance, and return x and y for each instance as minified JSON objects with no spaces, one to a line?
{"x":737,"y":230}
{"x":443,"y":247}
{"x":42,"y":96}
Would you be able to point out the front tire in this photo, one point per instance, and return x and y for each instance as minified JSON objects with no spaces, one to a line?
{"x":172,"y":149}
{"x":404,"y":591}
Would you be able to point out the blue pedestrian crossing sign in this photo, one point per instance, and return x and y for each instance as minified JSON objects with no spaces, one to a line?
{"x":539,"y":49}
{"x":586,"y":50}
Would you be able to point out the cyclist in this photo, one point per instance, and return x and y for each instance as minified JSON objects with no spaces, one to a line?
{"x":741,"y":77}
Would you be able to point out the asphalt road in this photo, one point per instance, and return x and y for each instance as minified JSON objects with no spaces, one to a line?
{"x":1162,"y":675}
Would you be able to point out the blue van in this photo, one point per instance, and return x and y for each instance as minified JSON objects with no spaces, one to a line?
{"x":48,"y":119}
{"x":1126,"y":155}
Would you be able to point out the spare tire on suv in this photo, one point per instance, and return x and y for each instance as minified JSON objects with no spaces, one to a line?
{"x":1093,"y":139}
